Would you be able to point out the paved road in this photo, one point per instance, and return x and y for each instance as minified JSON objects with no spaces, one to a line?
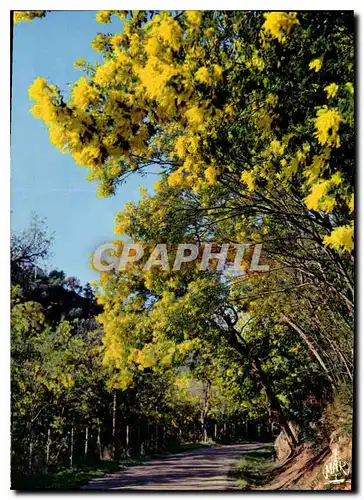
{"x":199,"y":469}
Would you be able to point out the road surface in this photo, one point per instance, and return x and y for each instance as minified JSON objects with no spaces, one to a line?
{"x":197,"y":469}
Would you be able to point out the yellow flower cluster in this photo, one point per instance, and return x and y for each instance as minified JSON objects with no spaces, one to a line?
{"x":99,"y":43}
{"x":104,"y":16}
{"x":211,"y":174}
{"x":315,"y":64}
{"x":195,"y":116}
{"x":341,"y":238}
{"x":210,"y":76}
{"x":105,"y":73}
{"x":327,"y":123}
{"x":320,"y":197}
{"x":280,"y":24}
{"x":247,"y":178}
{"x":176,"y":178}
{"x":44,"y":95}
{"x":313,"y":171}
{"x":83,"y":94}
{"x":194,"y":17}
{"x":169,"y":31}
{"x":331,"y":90}
{"x":27,"y":15}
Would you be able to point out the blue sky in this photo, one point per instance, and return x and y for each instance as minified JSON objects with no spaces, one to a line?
{"x":43,"y":180}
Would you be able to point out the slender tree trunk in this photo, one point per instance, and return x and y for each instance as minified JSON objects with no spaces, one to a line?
{"x":99,"y":442}
{"x":205,"y":409}
{"x":338,"y":350}
{"x":86,"y":442}
{"x":71,"y":449}
{"x":237,"y":342}
{"x":30,"y":458}
{"x":274,"y":403}
{"x":311,"y":347}
{"x":127,"y":440}
{"x":114,"y":420}
{"x":48,"y":445}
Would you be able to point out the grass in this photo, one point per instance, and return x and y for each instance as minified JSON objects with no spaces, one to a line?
{"x":72,"y":479}
{"x":253,"y":469}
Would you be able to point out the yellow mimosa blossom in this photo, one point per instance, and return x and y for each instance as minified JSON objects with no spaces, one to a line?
{"x":79,"y":63}
{"x":327,"y":123}
{"x":195,"y":116}
{"x":194,"y":17}
{"x":341,"y":238}
{"x":180,"y":147}
{"x":280,"y":24}
{"x":313,"y":171}
{"x":211,"y":175}
{"x":257,"y":62}
{"x":154,"y":76}
{"x":59,"y":137}
{"x":27,"y":15}
{"x":315,"y":64}
{"x":104,"y":16}
{"x":116,"y":42}
{"x":37,"y":89}
{"x":248,"y":179}
{"x":331,"y":90}
{"x":276,"y":148}
{"x":99,"y":43}
{"x":153,"y":46}
{"x":202,"y":74}
{"x":105,"y":73}
{"x":175,"y":178}
{"x":319,"y":198}
{"x":170,"y":32}
{"x":209,"y":75}
{"x":351,"y":203}
{"x":83,"y":93}
{"x":209,"y":32}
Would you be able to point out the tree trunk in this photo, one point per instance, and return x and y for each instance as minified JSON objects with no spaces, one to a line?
{"x":274,"y":403}
{"x":99,"y":442}
{"x":71,"y":448}
{"x":205,"y":409}
{"x":238,"y":343}
{"x":86,"y":442}
{"x":30,"y":455}
{"x":311,"y":347}
{"x":115,"y":443}
{"x":127,"y":440}
{"x":48,"y":445}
